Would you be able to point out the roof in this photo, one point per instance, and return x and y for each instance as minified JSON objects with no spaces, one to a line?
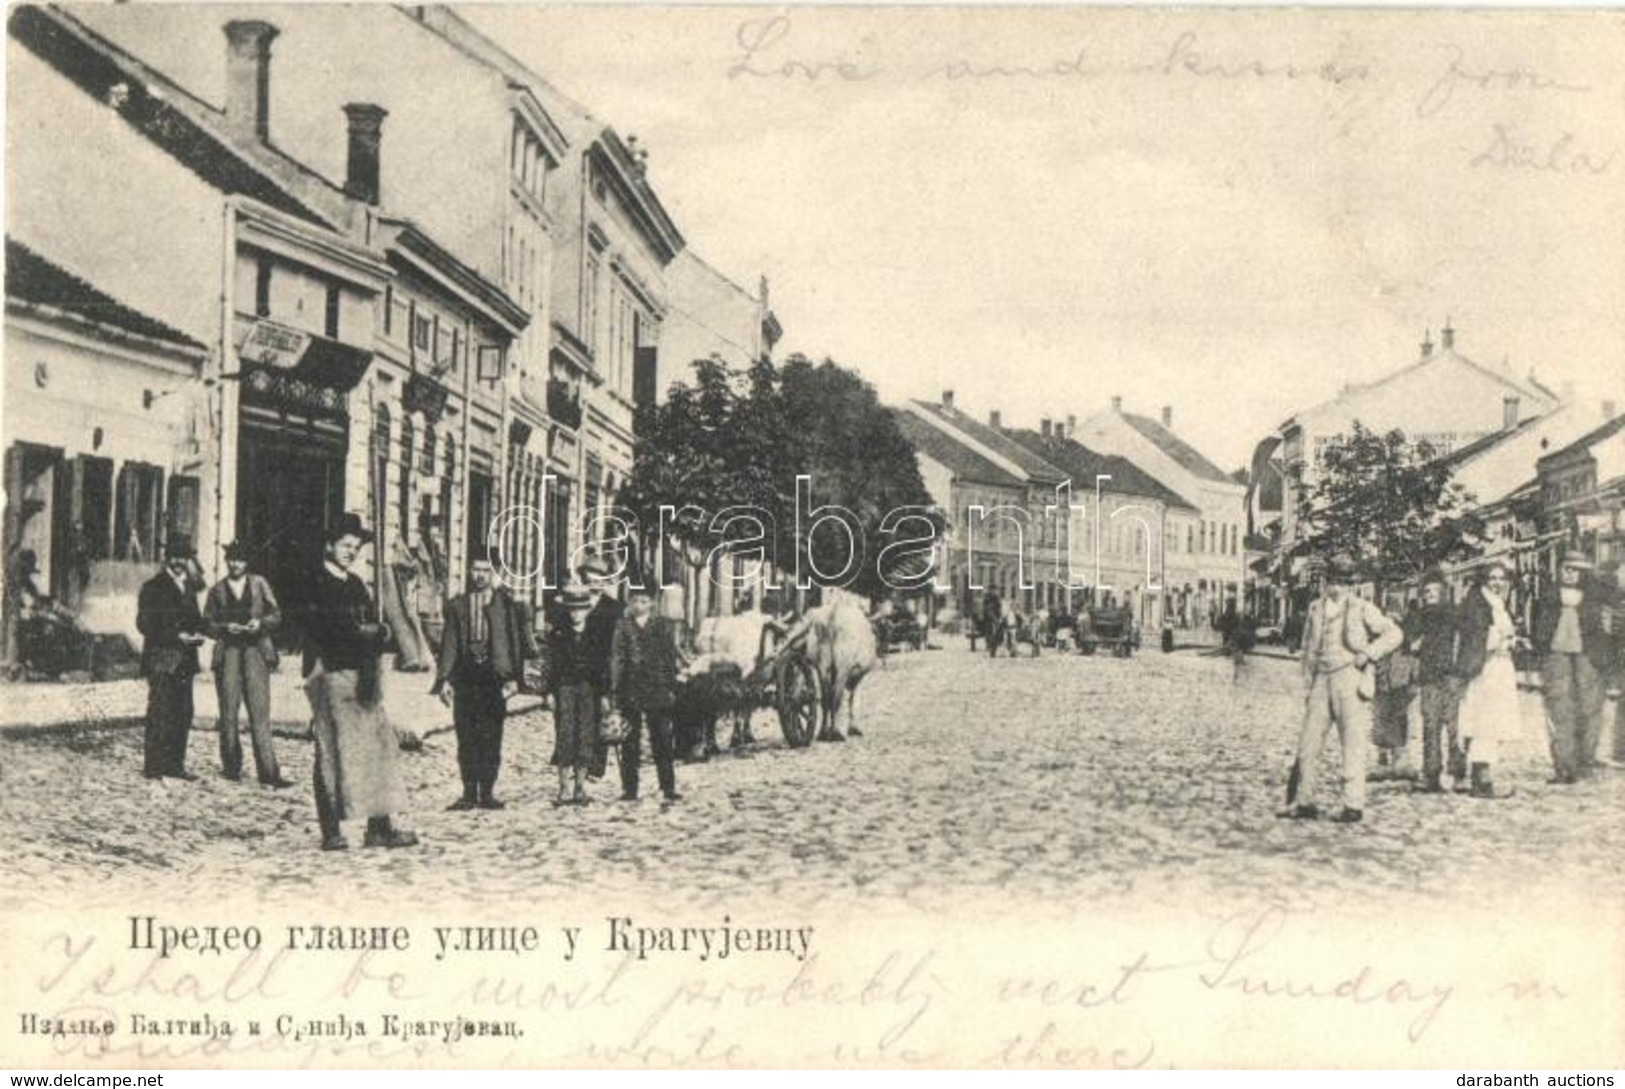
{"x":32,"y":279}
{"x":1484,"y":443}
{"x":1530,"y":387}
{"x":168,"y":116}
{"x":1590,"y":438}
{"x":996,"y":440}
{"x":1188,"y":457}
{"x":958,"y":457}
{"x":1082,"y":465}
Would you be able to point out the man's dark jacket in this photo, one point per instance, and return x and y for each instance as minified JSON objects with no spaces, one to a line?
{"x":164,"y":612}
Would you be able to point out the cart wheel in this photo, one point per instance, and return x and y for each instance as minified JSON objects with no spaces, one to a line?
{"x":798,"y":700}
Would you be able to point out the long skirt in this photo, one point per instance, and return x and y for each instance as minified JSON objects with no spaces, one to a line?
{"x":357,"y":749}
{"x":1489,"y":709}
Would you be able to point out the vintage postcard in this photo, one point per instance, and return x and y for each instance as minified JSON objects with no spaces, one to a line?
{"x":632,"y":536}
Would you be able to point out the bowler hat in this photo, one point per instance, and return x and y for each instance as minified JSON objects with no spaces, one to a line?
{"x":180,"y":548}
{"x":575,"y":597}
{"x":1576,"y":559}
{"x":349,"y":525}
{"x":236,"y":550}
{"x":1434,"y":576}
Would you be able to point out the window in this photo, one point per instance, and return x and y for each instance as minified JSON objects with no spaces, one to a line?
{"x":422,"y":331}
{"x":262,"y":288}
{"x":389,"y":306}
{"x":589,"y":304}
{"x":332,"y":323}
{"x":140,"y":500}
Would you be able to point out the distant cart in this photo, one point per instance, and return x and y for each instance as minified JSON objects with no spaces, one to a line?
{"x":1108,"y":630}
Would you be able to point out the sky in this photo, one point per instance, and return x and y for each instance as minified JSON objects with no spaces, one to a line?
{"x":1231,"y":214}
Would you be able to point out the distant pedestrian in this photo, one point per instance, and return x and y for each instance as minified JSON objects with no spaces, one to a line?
{"x":644,"y":665}
{"x":1343,"y":639}
{"x":1608,"y":575}
{"x":1576,"y":653}
{"x":1433,"y":637}
{"x":1489,"y":702}
{"x":171,"y":631}
{"x":483,"y":649}
{"x":243,"y":614}
{"x":357,"y":749}
{"x":573,"y":678}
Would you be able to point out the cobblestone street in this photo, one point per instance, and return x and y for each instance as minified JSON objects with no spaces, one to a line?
{"x":1063,"y":780}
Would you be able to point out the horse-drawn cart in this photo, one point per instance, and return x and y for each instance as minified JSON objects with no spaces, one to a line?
{"x":782,"y":677}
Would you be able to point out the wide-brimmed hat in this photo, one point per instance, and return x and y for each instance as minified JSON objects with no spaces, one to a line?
{"x":180,"y":548}
{"x":349,"y":525}
{"x":237,"y":550}
{"x":1578,"y":560}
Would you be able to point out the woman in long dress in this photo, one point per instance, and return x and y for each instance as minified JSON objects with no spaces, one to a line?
{"x":1489,"y":704}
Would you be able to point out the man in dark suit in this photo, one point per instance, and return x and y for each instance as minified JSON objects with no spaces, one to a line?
{"x":1575,"y":645}
{"x":482,"y":657}
{"x":171,"y":629}
{"x":644,"y":662}
{"x":243,"y":613}
{"x":602,"y":583}
{"x":1432,"y":634}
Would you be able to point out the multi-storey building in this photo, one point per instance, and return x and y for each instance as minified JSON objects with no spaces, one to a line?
{"x":1020,"y":548}
{"x":471,"y":163}
{"x":1444,"y":399}
{"x":1204,"y":545}
{"x":351,"y":361}
{"x":1119,"y":527}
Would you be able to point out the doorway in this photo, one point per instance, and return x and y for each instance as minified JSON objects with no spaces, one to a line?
{"x":290,"y":488}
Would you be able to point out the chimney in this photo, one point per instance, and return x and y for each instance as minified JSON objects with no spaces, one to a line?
{"x":1071,"y":426}
{"x":993,"y":419}
{"x":366,"y":134}
{"x":947,"y":398}
{"x":1117,"y":404}
{"x":1044,"y":427}
{"x":1168,"y":416}
{"x":1447,"y":336}
{"x":1509,"y":411}
{"x":248,"y":78}
{"x":1427,"y":343}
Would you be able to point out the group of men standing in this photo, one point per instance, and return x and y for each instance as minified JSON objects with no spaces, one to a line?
{"x":613,"y":676}
{"x":1465,"y":676}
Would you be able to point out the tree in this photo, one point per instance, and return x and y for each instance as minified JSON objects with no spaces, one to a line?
{"x":1387,"y":502}
{"x":742,"y":438}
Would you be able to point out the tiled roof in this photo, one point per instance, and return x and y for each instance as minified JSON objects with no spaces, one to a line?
{"x":958,"y":457}
{"x":997,"y":440}
{"x":31,"y":278}
{"x":1184,"y":453}
{"x":109,"y":75}
{"x":1590,"y":438}
{"x":1082,"y":465}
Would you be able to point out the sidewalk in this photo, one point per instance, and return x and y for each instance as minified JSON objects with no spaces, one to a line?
{"x":44,"y":707}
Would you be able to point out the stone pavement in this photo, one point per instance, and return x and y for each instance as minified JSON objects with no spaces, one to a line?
{"x":1063,"y":780}
{"x":46,"y":707}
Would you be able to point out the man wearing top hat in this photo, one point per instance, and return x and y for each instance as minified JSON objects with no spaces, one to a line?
{"x":482,"y":657}
{"x":1574,"y":645}
{"x":1344,"y":637}
{"x":357,"y":749}
{"x":171,"y":630}
{"x":242,"y":615}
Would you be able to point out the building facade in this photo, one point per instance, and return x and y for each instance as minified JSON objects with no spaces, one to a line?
{"x":1205,"y":540}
